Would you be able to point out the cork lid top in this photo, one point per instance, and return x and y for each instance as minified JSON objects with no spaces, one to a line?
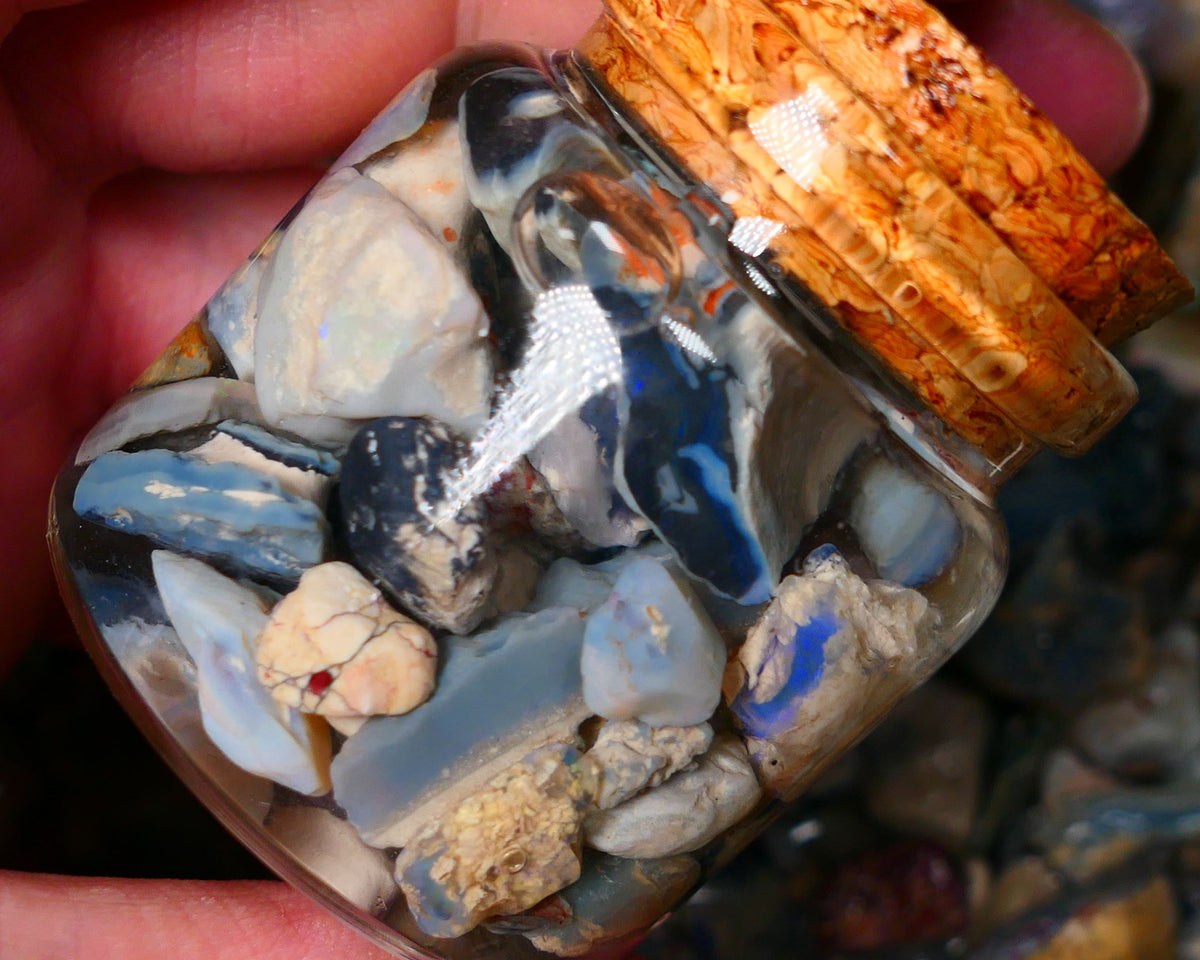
{"x":880,"y":159}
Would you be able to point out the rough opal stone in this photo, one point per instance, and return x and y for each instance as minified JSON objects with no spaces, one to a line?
{"x":218,"y":621}
{"x":503,"y":849}
{"x":301,"y":470}
{"x":614,"y":898}
{"x":684,"y":813}
{"x":518,"y":130}
{"x":632,"y":756}
{"x":825,"y":650}
{"x":906,"y":528}
{"x":221,"y":510}
{"x":398,"y":121}
{"x":651,"y":653}
{"x":575,"y":458}
{"x":362,"y":313}
{"x":436,"y":561}
{"x":233,"y":313}
{"x":171,"y":407}
{"x":334,"y":647}
{"x":569,"y":583}
{"x":501,"y":693}
{"x":679,"y":465}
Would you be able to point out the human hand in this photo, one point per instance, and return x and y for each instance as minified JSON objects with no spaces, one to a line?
{"x":145,"y":147}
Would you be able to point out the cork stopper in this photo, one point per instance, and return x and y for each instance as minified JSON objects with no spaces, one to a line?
{"x":884,"y":163}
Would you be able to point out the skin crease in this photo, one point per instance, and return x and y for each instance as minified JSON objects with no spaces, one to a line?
{"x":145,"y":147}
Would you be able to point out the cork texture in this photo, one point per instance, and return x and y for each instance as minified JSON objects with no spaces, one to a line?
{"x":999,"y":153}
{"x":800,"y":252}
{"x":870,"y":198}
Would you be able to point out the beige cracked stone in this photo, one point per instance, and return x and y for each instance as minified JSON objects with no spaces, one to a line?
{"x":335,"y":647}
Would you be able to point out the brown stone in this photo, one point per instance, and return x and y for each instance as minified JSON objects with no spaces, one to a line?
{"x":193,"y":353}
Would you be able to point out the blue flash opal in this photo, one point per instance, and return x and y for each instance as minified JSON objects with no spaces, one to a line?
{"x":808,"y":664}
{"x":678,"y":462}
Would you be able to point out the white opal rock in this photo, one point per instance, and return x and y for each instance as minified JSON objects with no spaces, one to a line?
{"x":363,"y":314}
{"x":330,"y":848}
{"x":300,"y":471}
{"x":427,"y":172}
{"x":684,"y":813}
{"x":171,"y":407}
{"x":218,"y":621}
{"x":333,"y":646}
{"x":632,"y":757}
{"x":232,"y":315}
{"x":907,"y":529}
{"x":650,"y":652}
{"x":165,"y":677}
{"x":398,"y":121}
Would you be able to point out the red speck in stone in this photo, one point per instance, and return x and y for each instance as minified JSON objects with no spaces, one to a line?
{"x":905,"y":894}
{"x":319,"y":682}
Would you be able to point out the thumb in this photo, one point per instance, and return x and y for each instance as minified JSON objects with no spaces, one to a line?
{"x":46,"y":917}
{"x":552,"y":23}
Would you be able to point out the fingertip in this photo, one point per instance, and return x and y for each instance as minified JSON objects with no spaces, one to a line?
{"x":552,"y":23}
{"x":1077,"y":72}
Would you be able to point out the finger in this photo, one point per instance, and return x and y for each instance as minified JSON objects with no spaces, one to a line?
{"x":212,"y":86}
{"x":47,"y":917}
{"x":159,"y":246}
{"x":1084,"y":79}
{"x":12,"y":10}
{"x":552,"y":23}
{"x":1078,"y":73}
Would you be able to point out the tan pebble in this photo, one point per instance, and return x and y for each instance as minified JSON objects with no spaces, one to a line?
{"x":334,"y":647}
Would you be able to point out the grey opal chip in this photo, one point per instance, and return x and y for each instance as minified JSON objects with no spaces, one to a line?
{"x":500,"y":694}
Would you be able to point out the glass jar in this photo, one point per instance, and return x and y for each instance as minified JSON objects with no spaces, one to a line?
{"x":594,"y":455}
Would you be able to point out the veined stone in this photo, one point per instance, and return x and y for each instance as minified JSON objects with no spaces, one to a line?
{"x":362,"y":314}
{"x":221,"y":510}
{"x":501,"y":693}
{"x":651,"y":653}
{"x":334,"y":647}
{"x":218,"y":621}
{"x":684,"y":813}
